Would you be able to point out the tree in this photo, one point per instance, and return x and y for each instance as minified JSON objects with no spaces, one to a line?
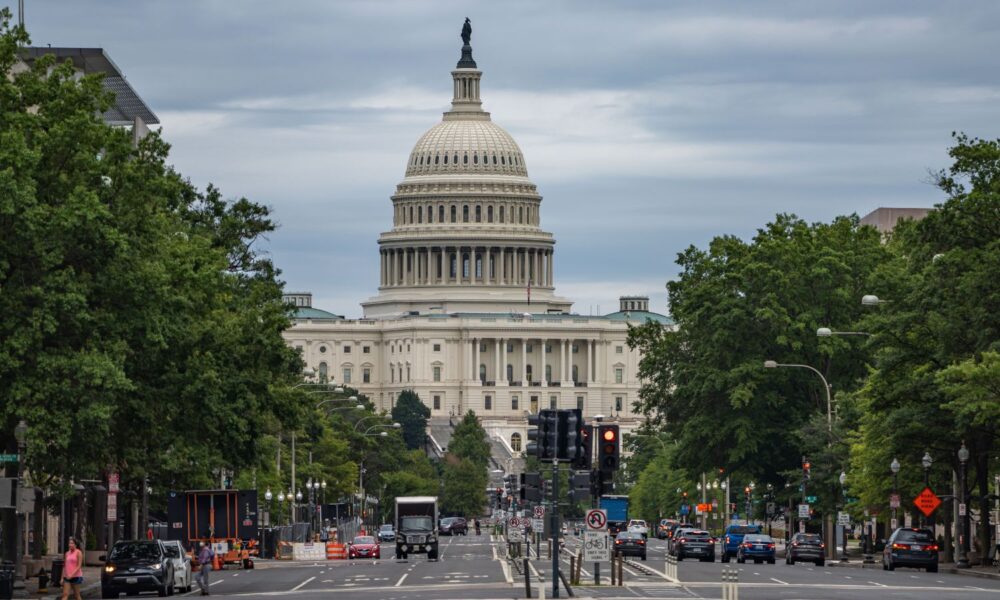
{"x":469,"y":441}
{"x":464,"y":487}
{"x":412,"y":414}
{"x":736,"y":305}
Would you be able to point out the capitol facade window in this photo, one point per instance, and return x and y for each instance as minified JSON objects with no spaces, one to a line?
{"x":515,"y":442}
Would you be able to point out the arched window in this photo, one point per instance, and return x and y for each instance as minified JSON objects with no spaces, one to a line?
{"x":445,"y":159}
{"x":503,"y":161}
{"x":465,"y":213}
{"x":576,"y":373}
{"x":454,"y":213}
{"x":482,"y":373}
{"x":520,"y":214}
{"x":437,"y":159}
{"x":421,"y":160}
{"x":465,"y":159}
{"x":510,"y":372}
{"x":411,"y":216}
{"x":501,"y":214}
{"x":465,"y":266}
{"x":430,"y":214}
{"x":548,"y":373}
{"x":515,"y":442}
{"x":489,"y":214}
{"x":455,"y":159}
{"x":475,"y":158}
{"x":479,"y":214}
{"x":322,"y":372}
{"x":494,"y":159}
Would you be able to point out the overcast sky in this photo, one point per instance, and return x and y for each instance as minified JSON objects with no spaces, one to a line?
{"x":647,"y":126}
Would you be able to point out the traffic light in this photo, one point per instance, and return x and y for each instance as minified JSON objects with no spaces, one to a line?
{"x":602,"y":483}
{"x":543,"y":437}
{"x":805,"y":469}
{"x":499,"y":495}
{"x":583,"y":445}
{"x":580,"y":485}
{"x":531,"y":487}
{"x":608,"y":447}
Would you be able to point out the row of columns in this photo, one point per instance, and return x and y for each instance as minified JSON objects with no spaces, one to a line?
{"x":500,"y":359}
{"x":432,"y":265}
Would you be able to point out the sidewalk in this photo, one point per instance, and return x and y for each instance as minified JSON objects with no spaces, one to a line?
{"x":91,"y":587}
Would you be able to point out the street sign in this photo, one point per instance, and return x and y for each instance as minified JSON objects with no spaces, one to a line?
{"x":893,"y":500}
{"x":515,"y":535}
{"x":843,"y":519}
{"x":112,"y":508}
{"x":539,"y":512}
{"x":803,"y":511}
{"x":811,"y":499}
{"x":113,"y":481}
{"x":597,"y":519}
{"x":927,"y":501}
{"x":704,"y":507}
{"x":514,"y":523}
{"x":538,"y":525}
{"x":961,"y":509}
{"x":770,"y":508}
{"x":685,"y":509}
{"x":8,"y":458}
{"x":596,"y":546}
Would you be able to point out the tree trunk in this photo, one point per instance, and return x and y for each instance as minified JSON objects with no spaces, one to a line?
{"x":983,"y":481}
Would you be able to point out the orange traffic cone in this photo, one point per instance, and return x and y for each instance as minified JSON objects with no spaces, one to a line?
{"x":216,"y":563}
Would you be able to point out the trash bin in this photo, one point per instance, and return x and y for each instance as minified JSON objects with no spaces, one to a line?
{"x":6,"y":580}
{"x":57,"y":571}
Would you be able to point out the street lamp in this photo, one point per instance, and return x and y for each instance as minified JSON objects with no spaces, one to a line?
{"x":963,"y":557}
{"x":894,"y":467}
{"x":21,"y":435}
{"x":843,"y":496}
{"x":827,"y":332}
{"x":927,"y":461}
{"x":871,"y":300}
{"x":267,"y":497}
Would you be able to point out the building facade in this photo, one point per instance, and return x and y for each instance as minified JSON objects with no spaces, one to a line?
{"x":466,"y":313}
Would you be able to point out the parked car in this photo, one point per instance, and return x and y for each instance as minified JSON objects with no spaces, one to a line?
{"x":911,"y":547}
{"x":733,"y":537}
{"x":629,"y":543}
{"x":805,"y":547}
{"x":364,"y":546}
{"x":694,"y":543}
{"x":757,"y":548}
{"x":137,"y":566}
{"x":638,"y":526}
{"x":453,"y":526}
{"x":386,"y":533}
{"x":664,"y":528}
{"x":183,"y":573}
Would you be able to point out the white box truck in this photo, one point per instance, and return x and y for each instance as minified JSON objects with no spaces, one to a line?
{"x":416,"y":526}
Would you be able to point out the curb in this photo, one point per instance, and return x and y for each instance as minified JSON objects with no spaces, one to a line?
{"x":854,"y":564}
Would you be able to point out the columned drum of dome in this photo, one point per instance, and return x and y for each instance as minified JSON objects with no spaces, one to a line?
{"x":466,"y":234}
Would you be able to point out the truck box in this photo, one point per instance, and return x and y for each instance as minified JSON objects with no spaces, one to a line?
{"x":617,"y":508}
{"x":416,"y":526}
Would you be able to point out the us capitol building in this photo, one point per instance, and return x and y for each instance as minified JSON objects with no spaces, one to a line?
{"x":466,"y":313}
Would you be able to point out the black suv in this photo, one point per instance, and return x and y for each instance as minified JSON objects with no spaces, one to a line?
{"x":805,"y":547}
{"x":453,"y":526}
{"x":911,"y":547}
{"x":694,"y":543}
{"x":137,"y":566}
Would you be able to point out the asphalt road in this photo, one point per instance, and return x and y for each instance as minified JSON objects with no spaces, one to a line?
{"x":471,"y":568}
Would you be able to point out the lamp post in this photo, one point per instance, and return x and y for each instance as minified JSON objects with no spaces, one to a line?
{"x":963,"y":538}
{"x":894,"y":467}
{"x":21,"y":435}
{"x":927,"y":461}
{"x":298,"y":502}
{"x":843,"y":496}
{"x":267,"y":498}
{"x":361,"y":471}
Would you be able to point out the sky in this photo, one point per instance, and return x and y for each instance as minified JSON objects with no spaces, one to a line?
{"x":648,"y":126}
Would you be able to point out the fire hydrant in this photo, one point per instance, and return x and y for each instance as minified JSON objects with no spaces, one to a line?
{"x":43,"y":580}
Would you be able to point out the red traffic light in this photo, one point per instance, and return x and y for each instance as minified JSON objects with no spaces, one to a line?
{"x":609,"y":435}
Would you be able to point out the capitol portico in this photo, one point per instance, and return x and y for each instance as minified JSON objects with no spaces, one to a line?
{"x":466,"y":313}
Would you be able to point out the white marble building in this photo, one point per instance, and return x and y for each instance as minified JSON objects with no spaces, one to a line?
{"x":466,"y":313}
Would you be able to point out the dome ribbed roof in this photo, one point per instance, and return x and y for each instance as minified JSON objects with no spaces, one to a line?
{"x":466,"y":146}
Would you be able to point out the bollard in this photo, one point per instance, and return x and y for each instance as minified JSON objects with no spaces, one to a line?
{"x":621,"y":565}
{"x":730,"y":584}
{"x":572,"y":569}
{"x":527,"y":580}
{"x":614,"y":557}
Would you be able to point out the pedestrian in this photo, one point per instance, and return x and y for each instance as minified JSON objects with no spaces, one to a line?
{"x":477,"y":527}
{"x":205,"y":556}
{"x":72,"y":571}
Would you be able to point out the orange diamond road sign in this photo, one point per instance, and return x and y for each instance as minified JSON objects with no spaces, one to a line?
{"x":927,"y":501}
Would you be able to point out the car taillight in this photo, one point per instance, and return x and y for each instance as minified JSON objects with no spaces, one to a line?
{"x":618,"y":541}
{"x":795,"y":544}
{"x":682,"y":541}
{"x":822,"y":545}
{"x":727,"y":539}
{"x":932,"y":547}
{"x":770,"y":545}
{"x":642,"y":542}
{"x":900,"y":546}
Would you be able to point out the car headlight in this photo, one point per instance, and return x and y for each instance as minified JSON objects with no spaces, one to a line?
{"x":109,"y":568}
{"x":432,"y":539}
{"x":156,"y":567}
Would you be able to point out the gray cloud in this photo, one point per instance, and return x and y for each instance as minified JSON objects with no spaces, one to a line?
{"x":647,"y":125}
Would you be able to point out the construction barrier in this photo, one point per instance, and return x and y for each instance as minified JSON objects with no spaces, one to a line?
{"x":336,"y":551}
{"x":284,"y":551}
{"x":308,"y":551}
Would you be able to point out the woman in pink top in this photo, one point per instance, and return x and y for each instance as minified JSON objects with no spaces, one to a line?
{"x":72,"y":571}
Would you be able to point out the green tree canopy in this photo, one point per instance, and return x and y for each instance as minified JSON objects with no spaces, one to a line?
{"x":412,"y":414}
{"x":464,"y":488}
{"x":469,"y":441}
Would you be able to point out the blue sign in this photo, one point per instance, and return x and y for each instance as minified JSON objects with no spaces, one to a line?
{"x":685,"y":509}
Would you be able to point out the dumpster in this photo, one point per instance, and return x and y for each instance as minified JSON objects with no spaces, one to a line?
{"x":6,"y":580}
{"x":57,"y":571}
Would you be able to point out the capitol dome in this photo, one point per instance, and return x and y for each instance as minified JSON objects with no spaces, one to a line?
{"x":466,"y":145}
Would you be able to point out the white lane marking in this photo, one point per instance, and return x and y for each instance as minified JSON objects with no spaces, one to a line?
{"x":779,"y":581}
{"x":296,"y":588}
{"x":884,"y":585}
{"x":630,"y":571}
{"x":400,"y":582}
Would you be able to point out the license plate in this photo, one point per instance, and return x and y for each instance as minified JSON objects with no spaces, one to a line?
{"x":916,"y":547}
{"x":131,"y":580}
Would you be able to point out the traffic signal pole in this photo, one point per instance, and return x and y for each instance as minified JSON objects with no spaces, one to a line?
{"x":554,"y":524}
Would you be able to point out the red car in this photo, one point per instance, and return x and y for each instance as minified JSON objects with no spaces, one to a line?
{"x":364,"y":546}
